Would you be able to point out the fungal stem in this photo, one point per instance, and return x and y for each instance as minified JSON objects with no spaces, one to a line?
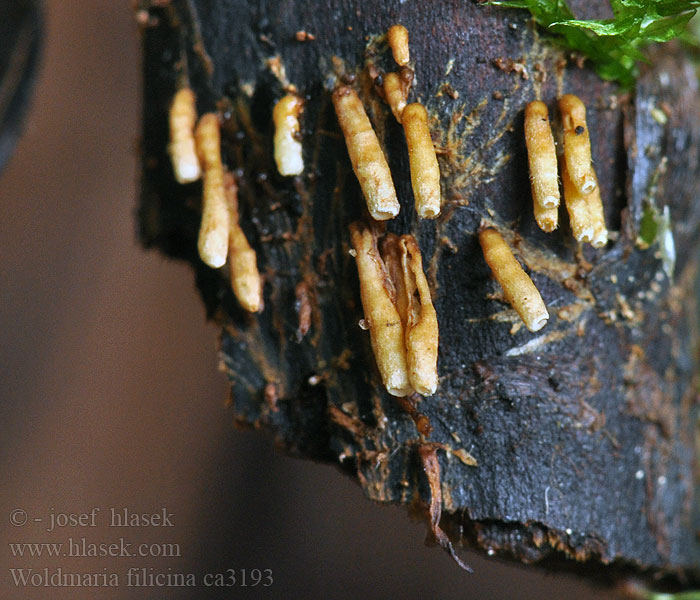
{"x":385,"y":324}
{"x":182,"y":119}
{"x":542,"y":160}
{"x":421,"y":323}
{"x":287,"y":147}
{"x":395,"y":94}
{"x":397,"y":37}
{"x":366,"y":155}
{"x":577,"y":207}
{"x":425,"y":172}
{"x":518,"y":288}
{"x":215,"y":225}
{"x":577,"y":144}
{"x":245,"y":277}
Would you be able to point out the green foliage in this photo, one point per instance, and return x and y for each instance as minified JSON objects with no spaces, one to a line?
{"x":613,"y":45}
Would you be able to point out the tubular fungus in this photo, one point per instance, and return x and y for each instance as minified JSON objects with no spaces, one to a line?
{"x":398,"y":42}
{"x":385,"y":325}
{"x":366,"y":155}
{"x":245,"y":277}
{"x":518,"y":288}
{"x":183,"y":154}
{"x":287,"y":147}
{"x":421,"y":321}
{"x":577,"y":207}
{"x":395,"y":94}
{"x":215,"y":225}
{"x":425,"y":172}
{"x":542,"y":160}
{"x":597,"y":218}
{"x":577,"y":144}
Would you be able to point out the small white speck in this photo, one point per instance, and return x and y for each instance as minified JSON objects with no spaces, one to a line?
{"x":490,"y":552}
{"x":637,"y":449}
{"x":568,"y":531}
{"x":352,"y":252}
{"x":664,"y":79}
{"x":364,"y":325}
{"x":639,"y":474}
{"x":613,"y":278}
{"x":661,"y":480}
{"x":630,"y":278}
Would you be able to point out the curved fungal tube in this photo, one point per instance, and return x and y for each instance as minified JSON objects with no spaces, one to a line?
{"x":395,"y":94}
{"x":425,"y":172}
{"x":421,"y":321}
{"x":385,"y":325}
{"x":366,"y":155}
{"x":243,"y":266}
{"x":397,"y":37}
{"x":577,"y":143}
{"x":183,"y":154}
{"x":542,"y":161}
{"x":287,"y":147}
{"x":518,"y":288}
{"x":215,"y":225}
{"x":577,"y":207}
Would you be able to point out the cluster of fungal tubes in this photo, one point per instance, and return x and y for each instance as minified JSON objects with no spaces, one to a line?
{"x":396,"y":298}
{"x":195,"y":151}
{"x":395,"y":295}
{"x":398,"y":310}
{"x":581,"y":190}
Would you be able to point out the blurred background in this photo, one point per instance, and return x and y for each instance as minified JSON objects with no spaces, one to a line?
{"x":110,"y":397}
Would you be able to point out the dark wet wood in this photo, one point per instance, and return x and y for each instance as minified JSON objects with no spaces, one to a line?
{"x":575,"y":446}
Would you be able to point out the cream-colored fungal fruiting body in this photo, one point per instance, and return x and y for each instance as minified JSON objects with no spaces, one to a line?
{"x":577,"y":144}
{"x":422,"y":333}
{"x":518,"y":288}
{"x":395,"y":94}
{"x":597,"y":217}
{"x":183,"y":154}
{"x":425,"y":172}
{"x":397,"y":36}
{"x":287,"y":147}
{"x":366,"y":155}
{"x":577,"y":207}
{"x":385,"y":324}
{"x":542,"y":161}
{"x":216,"y":218}
{"x":245,"y":277}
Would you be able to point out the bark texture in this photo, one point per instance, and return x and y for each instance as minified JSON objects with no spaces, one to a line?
{"x":575,"y":446}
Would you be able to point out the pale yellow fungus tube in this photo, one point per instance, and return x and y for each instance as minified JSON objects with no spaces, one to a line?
{"x":287,"y":147}
{"x":597,"y":217}
{"x":215,"y":225}
{"x":542,"y":160}
{"x":366,"y":155}
{"x":425,"y":172}
{"x":422,"y":326}
{"x":183,"y":154}
{"x":243,"y":265}
{"x":385,"y":326}
{"x":577,"y":143}
{"x":577,"y":207}
{"x":397,"y":37}
{"x":395,"y":94}
{"x":518,"y":288}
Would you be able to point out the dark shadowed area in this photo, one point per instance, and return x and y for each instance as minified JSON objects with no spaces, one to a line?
{"x":111,"y":398}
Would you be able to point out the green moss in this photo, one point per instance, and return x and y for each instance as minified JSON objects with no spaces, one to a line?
{"x":613,"y":45}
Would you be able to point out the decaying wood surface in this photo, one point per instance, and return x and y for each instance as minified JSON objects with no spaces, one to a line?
{"x":575,"y":446}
